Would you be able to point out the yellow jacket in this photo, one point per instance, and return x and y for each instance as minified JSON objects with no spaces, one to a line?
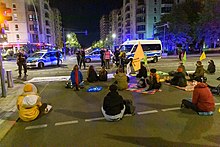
{"x":28,"y":113}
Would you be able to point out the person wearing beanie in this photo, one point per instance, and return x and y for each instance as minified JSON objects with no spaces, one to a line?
{"x":202,"y":99}
{"x":113,"y":106}
{"x":154,"y":80}
{"x":29,"y":104}
{"x":199,"y":72}
{"x":178,"y":79}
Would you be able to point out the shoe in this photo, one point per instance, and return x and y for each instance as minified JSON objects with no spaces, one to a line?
{"x":48,"y":109}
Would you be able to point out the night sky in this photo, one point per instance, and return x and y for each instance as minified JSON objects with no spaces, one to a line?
{"x":85,"y":15}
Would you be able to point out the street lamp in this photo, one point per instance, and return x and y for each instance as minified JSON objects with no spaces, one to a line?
{"x":68,"y":36}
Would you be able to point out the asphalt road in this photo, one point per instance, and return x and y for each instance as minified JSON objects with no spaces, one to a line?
{"x":76,"y":119}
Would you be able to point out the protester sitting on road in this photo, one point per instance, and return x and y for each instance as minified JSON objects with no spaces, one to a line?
{"x":121,"y":80}
{"x":76,"y":77}
{"x":142,"y":72}
{"x":103,"y":74}
{"x":199,"y":72}
{"x":202,"y":99}
{"x":113,"y":106}
{"x":211,"y":67}
{"x":171,"y":73}
{"x":92,"y":75}
{"x":29,"y":104}
{"x":178,"y":79}
{"x":154,"y":80}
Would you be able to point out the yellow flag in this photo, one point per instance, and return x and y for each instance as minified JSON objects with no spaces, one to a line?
{"x":145,"y":59}
{"x":138,"y":56}
{"x":202,"y":57}
{"x":184,"y":58}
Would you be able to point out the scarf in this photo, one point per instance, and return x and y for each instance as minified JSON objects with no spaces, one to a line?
{"x":76,"y":77}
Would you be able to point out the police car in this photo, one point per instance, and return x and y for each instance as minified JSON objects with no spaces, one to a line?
{"x":43,"y":58}
{"x":95,"y":56}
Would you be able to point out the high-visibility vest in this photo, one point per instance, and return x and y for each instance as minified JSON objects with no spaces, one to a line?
{"x":107,"y":55}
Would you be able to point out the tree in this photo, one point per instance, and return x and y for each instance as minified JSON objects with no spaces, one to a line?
{"x":72,"y":41}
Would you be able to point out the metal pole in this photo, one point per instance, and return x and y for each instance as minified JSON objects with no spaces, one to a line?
{"x":164,"y":38}
{"x":2,"y":74}
{"x":64,"y":43}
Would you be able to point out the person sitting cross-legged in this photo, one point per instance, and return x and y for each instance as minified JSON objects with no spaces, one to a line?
{"x":178,"y":79}
{"x":92,"y":75}
{"x":113,"y":106}
{"x":103,"y":74}
{"x":121,"y":79}
{"x":154,"y":80}
{"x":76,"y":77}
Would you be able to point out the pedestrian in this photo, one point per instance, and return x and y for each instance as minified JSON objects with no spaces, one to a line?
{"x":113,"y":105}
{"x":82,"y":59}
{"x":116,"y":57}
{"x":179,"y":50}
{"x":58,"y":58}
{"x":211,"y":67}
{"x":103,"y":74}
{"x":29,"y":104}
{"x":202,"y":99}
{"x":102,"y":53}
{"x":121,"y":80}
{"x":107,"y":57}
{"x":199,"y":72}
{"x":22,"y":62}
{"x":76,"y":77}
{"x":154,"y":80}
{"x":78,"y":57}
{"x":92,"y":75}
{"x":178,"y":79}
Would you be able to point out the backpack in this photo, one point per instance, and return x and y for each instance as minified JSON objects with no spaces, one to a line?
{"x":129,"y":107}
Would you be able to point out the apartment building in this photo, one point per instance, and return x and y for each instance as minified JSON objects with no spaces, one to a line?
{"x":33,"y":22}
{"x":104,"y":27}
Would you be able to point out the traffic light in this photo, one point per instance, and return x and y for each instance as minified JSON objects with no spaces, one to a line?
{"x":4,"y":13}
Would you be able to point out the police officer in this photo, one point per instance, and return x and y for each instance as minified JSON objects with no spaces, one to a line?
{"x":21,"y":62}
{"x":58,"y":58}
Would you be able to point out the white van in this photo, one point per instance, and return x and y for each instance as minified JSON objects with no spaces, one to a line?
{"x":151,"y":48}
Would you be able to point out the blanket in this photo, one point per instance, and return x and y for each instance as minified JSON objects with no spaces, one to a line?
{"x":133,"y":87}
{"x":190,"y":86}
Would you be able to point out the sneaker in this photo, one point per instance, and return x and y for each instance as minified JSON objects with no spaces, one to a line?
{"x":48,"y":109}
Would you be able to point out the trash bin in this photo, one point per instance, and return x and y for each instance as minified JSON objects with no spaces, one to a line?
{"x":9,"y":79}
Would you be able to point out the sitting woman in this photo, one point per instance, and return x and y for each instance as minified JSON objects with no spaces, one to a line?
{"x":154,"y":80}
{"x":29,"y":104}
{"x":142,"y":71}
{"x":113,"y":106}
{"x":76,"y":77}
{"x":211,"y":67}
{"x":92,"y":75}
{"x":103,"y":74}
{"x":202,"y":100}
{"x":178,"y":79}
{"x":121,"y":79}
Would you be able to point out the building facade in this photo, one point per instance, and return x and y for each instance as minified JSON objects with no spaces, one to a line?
{"x":104,"y":27}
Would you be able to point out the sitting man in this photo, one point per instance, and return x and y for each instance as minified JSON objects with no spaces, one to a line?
{"x":154,"y":80}
{"x":202,"y":100}
{"x":199,"y":72}
{"x":121,"y":80}
{"x":113,"y":106}
{"x":178,"y":79}
{"x":29,"y":104}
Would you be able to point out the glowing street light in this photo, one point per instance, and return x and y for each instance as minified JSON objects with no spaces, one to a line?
{"x":113,"y":35}
{"x":68,"y":35}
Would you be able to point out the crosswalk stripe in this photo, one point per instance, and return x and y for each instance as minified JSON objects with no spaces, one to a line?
{"x":66,"y":123}
{"x":94,"y":119}
{"x":147,"y":112}
{"x":36,"y":127}
{"x":170,"y":109}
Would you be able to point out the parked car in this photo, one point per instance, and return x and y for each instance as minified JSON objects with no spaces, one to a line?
{"x":94,"y":56}
{"x":43,"y":58}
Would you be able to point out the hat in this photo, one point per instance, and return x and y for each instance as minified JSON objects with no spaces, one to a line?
{"x":153,"y":70}
{"x":199,"y":63}
{"x":113,"y":88}
{"x":179,"y":69}
{"x":28,"y":87}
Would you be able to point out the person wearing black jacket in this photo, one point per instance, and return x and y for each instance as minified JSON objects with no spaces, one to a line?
{"x":113,"y":106}
{"x":211,"y":67}
{"x":92,"y":75}
{"x":142,"y":71}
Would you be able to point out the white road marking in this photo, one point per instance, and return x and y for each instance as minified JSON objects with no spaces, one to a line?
{"x":66,"y":123}
{"x":94,"y":119}
{"x":36,"y":127}
{"x":170,"y":109}
{"x":217,"y":104}
{"x":49,"y":79}
{"x":147,"y":112}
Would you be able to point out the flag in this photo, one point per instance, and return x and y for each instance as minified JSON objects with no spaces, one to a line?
{"x":145,"y":60}
{"x":138,"y":56}
{"x":184,"y":58}
{"x":129,"y":68}
{"x":202,"y":57}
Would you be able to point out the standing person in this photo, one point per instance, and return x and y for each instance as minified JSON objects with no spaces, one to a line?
{"x":82,"y":60}
{"x":199,"y":72}
{"x":113,"y":106}
{"x":211,"y":67}
{"x":154,"y":80}
{"x":102,"y":53}
{"x":78,"y":57}
{"x":92,"y":75}
{"x":107,"y":57}
{"x":202,"y":99}
{"x":21,"y":62}
{"x":76,"y":77}
{"x":58,"y":58}
{"x":179,"y":50}
{"x":29,"y":104}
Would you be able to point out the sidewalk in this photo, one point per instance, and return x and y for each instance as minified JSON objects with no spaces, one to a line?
{"x":8,"y":109}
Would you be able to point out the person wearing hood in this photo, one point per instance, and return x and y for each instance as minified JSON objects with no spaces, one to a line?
{"x":211,"y":67}
{"x":113,"y":105}
{"x":29,"y":104}
{"x":154,"y":80}
{"x":121,"y":80}
{"x":202,"y":99}
{"x":178,"y":79}
{"x":199,"y":72}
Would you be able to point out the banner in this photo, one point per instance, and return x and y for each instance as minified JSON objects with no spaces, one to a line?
{"x":138,"y":56}
{"x":202,"y":57}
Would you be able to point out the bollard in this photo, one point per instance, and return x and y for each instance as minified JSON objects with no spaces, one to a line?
{"x":9,"y":79}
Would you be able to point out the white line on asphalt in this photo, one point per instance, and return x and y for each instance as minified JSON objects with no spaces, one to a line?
{"x":94,"y":119}
{"x":147,"y":112}
{"x":217,"y":104}
{"x":36,"y":127}
{"x":66,"y":123}
{"x":170,"y":109}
